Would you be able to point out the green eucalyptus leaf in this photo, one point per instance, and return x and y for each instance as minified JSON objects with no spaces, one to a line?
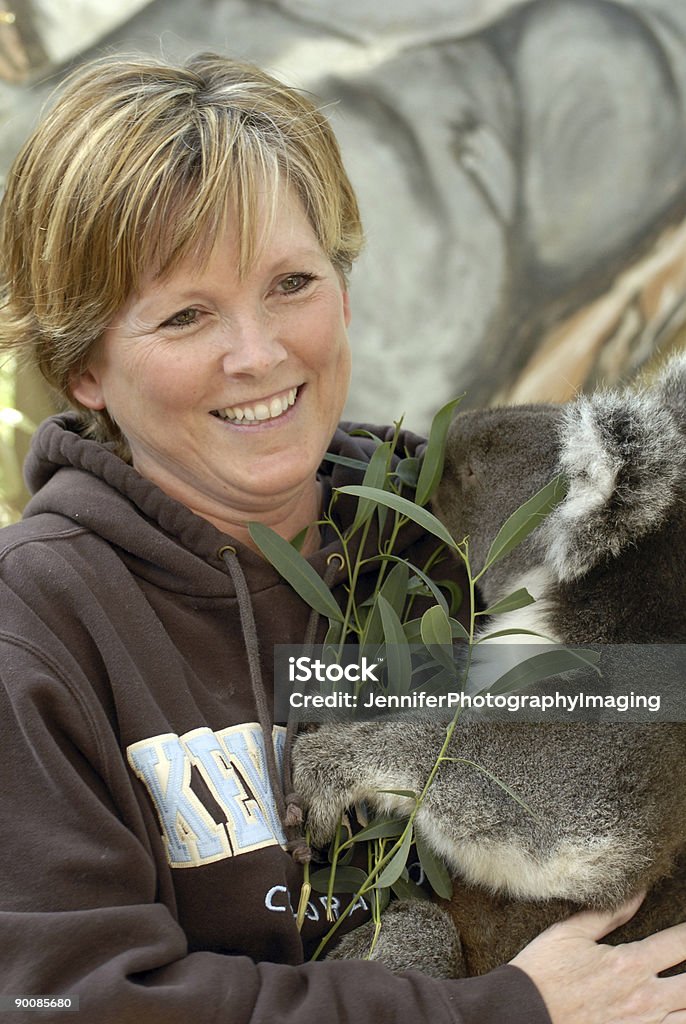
{"x":517,"y":599}
{"x":434,"y":868}
{"x":394,"y":590}
{"x":372,"y":632}
{"x":458,"y":629}
{"x":525,"y":520}
{"x":542,"y":666}
{"x":412,"y":631}
{"x":333,"y":634}
{"x":455,"y":591}
{"x":384,"y":898}
{"x":406,"y":508}
{"x":437,"y":636}
{"x":374,"y":477}
{"x":435,"y":627}
{"x":382,"y":515}
{"x":395,"y":586}
{"x":381,"y":828}
{"x":400,"y":792}
{"x":440,"y":681}
{"x":424,"y":584}
{"x":512,"y":632}
{"x":347,"y":855}
{"x":434,"y":455}
{"x":345,"y":460}
{"x":398,"y":656}
{"x":396,"y":865}
{"x":296,"y":570}
{"x":347,"y":879}
{"x":361,"y":432}
{"x":299,"y":539}
{"x":407,"y":471}
{"x":406,"y":889}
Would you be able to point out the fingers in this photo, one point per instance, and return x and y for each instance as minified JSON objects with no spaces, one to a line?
{"x":583,"y":980}
{"x":665,"y":949}
{"x":595,"y":924}
{"x":657,"y":952}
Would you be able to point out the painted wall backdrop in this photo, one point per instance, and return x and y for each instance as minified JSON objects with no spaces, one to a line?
{"x":521,"y":166}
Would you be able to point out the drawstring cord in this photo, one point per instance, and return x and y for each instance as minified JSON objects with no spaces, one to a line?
{"x":288,"y":803}
{"x":294,"y":813}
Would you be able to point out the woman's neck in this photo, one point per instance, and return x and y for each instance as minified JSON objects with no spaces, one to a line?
{"x":288,"y":520}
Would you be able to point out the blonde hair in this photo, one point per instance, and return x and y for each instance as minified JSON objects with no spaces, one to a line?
{"x":137,"y":164}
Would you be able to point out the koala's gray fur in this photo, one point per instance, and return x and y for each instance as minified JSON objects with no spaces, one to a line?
{"x":441,"y":957}
{"x":607,"y":566}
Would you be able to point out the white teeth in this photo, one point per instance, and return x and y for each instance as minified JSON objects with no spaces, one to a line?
{"x":260,"y":411}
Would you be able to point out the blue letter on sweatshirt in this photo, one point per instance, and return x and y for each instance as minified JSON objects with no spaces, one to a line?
{"x":232,"y":765}
{"x":190,"y":833}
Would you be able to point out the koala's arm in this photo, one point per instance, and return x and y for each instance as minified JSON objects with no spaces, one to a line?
{"x":339,"y":765}
{"x":414,"y":934}
{"x":562,"y":839}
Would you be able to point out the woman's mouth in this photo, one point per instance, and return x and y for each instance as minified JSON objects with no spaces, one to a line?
{"x":258,"y":412}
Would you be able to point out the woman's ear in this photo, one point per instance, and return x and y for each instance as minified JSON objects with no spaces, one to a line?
{"x":347,"y":314}
{"x":86,"y":388}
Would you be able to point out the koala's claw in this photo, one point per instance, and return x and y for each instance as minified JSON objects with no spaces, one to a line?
{"x":322,"y":821}
{"x":319,"y":778}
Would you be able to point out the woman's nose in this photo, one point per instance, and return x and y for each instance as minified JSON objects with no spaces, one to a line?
{"x":253,"y":345}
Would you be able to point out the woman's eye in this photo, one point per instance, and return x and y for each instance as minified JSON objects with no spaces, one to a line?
{"x":295,"y":283}
{"x":184,"y":318}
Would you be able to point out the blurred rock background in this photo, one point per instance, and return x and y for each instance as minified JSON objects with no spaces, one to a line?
{"x":521,"y":167}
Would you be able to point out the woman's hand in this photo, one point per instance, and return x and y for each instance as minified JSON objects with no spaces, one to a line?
{"x":583,"y":982}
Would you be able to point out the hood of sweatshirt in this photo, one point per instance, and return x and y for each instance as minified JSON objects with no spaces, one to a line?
{"x":85,"y":482}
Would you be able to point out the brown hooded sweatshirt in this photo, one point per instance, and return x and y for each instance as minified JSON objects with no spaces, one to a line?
{"x":144,"y":868}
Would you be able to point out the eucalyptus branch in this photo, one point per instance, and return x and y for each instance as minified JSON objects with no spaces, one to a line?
{"x":305,"y":890}
{"x":386,"y":614}
{"x":377,"y":853}
{"x":351,"y":611}
{"x":386,"y":857}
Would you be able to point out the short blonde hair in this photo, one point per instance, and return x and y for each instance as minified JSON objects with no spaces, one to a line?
{"x":137,"y":164}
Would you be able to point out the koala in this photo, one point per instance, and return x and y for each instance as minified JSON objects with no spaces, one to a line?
{"x":607,"y":566}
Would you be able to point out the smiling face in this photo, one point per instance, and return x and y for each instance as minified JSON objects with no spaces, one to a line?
{"x":229,"y":389}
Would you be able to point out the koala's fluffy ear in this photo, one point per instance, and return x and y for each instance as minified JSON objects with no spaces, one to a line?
{"x":670,"y":386}
{"x":624,"y":454}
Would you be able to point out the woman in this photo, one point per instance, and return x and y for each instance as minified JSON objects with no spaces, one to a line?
{"x":175,"y":245}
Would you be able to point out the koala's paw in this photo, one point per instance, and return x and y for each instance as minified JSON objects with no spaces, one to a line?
{"x":415,"y":934}
{"x":322,"y":778}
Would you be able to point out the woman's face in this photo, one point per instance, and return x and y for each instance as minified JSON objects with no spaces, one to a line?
{"x":228,"y":390}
